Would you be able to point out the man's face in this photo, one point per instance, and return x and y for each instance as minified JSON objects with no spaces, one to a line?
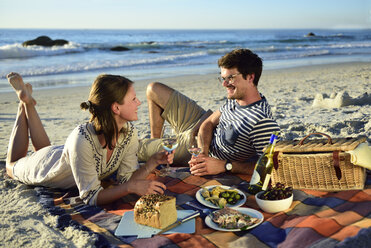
{"x":237,"y":87}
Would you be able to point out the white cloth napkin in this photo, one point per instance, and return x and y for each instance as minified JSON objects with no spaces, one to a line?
{"x":361,"y":155}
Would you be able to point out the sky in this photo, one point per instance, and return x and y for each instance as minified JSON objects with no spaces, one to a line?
{"x":185,"y":14}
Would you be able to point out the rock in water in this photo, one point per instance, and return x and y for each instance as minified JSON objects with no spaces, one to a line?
{"x":44,"y":41}
{"x":310,"y":34}
{"x":119,"y":48}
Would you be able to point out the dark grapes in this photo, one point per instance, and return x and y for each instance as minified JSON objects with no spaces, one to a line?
{"x":278,"y":192}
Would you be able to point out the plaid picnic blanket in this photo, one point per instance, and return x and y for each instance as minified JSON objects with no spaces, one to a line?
{"x":315,"y":219}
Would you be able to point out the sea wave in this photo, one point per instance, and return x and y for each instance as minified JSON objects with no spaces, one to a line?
{"x":314,"y":53}
{"x":354,"y":45}
{"x":351,"y":45}
{"x":176,"y":44}
{"x":311,"y":39}
{"x":15,"y":51}
{"x":98,"y":64}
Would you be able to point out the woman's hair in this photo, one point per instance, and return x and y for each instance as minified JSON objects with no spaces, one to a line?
{"x":106,"y":90}
{"x":245,"y":61}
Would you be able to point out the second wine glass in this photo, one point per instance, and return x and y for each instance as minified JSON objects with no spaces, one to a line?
{"x":193,"y":149}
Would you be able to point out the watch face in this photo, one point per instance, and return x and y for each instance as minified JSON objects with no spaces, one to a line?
{"x":228,"y":166}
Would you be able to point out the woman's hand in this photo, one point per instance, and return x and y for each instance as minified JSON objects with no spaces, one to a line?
{"x":144,"y":187}
{"x":162,"y":157}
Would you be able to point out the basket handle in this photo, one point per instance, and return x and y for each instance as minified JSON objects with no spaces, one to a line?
{"x":329,"y":140}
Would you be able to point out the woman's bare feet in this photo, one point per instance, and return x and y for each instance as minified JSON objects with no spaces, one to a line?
{"x":29,"y":89}
{"x":24,"y":91}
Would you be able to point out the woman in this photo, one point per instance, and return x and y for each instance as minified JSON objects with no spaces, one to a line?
{"x":108,"y":143}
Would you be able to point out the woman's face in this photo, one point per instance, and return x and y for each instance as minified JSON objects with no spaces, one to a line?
{"x":128,"y":110}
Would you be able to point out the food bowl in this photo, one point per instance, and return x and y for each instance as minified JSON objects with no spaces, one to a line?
{"x":273,"y":206}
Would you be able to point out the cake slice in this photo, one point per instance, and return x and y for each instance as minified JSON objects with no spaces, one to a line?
{"x":155,"y":210}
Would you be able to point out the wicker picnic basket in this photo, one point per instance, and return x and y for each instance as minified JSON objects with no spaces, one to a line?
{"x":319,"y":164}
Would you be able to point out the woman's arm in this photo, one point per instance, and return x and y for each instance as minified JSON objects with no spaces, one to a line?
{"x":79,"y":155}
{"x":137,"y":183}
{"x":137,"y":186}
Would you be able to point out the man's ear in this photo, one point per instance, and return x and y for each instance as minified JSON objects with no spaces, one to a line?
{"x":115,"y":108}
{"x":252,"y":77}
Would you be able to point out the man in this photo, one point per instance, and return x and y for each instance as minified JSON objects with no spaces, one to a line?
{"x":232,"y":137}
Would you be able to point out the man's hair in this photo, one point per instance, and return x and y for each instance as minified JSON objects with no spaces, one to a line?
{"x":245,"y":61}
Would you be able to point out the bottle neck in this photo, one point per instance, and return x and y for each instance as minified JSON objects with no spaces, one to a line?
{"x":272,"y":144}
{"x":273,"y":138}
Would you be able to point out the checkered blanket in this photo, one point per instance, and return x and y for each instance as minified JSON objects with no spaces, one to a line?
{"x":315,"y":219}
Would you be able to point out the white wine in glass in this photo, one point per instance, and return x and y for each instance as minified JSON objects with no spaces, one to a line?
{"x":169,"y":143}
{"x":195,"y":151}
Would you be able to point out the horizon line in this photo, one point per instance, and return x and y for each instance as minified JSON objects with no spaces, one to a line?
{"x":287,"y":28}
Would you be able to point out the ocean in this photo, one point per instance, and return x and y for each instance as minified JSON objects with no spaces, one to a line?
{"x":164,"y":53}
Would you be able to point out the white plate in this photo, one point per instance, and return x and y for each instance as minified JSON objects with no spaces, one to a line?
{"x":201,"y":199}
{"x":249,"y":211}
{"x":128,"y":227}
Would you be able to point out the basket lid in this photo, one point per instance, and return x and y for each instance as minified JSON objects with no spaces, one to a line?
{"x":319,"y":145}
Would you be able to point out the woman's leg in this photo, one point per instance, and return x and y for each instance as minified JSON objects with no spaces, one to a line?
{"x":18,"y":141}
{"x":39,"y":138}
{"x":27,"y":120}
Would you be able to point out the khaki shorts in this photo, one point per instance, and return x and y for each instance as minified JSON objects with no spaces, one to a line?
{"x":183,"y":114}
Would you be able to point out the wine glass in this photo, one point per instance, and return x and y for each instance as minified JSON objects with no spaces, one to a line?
{"x":169,"y":143}
{"x":193,"y":148}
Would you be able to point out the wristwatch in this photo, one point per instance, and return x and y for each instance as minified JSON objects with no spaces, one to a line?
{"x":228,"y":166}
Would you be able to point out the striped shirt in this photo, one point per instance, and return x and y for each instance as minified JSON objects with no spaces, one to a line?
{"x":243,"y":131}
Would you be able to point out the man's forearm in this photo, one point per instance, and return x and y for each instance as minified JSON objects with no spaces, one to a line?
{"x":243,"y":167}
{"x":204,"y":138}
{"x":205,"y":133}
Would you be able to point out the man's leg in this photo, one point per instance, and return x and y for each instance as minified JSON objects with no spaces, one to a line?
{"x":158,"y":96}
{"x":182,"y":113}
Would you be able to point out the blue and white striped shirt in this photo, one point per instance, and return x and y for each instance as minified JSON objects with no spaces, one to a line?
{"x":243,"y":131}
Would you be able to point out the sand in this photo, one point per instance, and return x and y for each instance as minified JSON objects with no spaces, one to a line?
{"x":327,"y":98}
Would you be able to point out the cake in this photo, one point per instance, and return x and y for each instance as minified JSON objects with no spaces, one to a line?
{"x":155,"y":210}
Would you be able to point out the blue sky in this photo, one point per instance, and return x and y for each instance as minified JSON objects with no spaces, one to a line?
{"x":185,"y":14}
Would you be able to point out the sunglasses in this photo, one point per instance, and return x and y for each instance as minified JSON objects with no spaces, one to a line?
{"x":229,"y":79}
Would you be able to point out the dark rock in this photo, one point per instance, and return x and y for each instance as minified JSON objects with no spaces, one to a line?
{"x":310,"y":34}
{"x":44,"y":41}
{"x":119,"y":48}
{"x":60,"y":42}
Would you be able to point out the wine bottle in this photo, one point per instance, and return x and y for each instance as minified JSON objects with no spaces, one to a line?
{"x":263,"y":168}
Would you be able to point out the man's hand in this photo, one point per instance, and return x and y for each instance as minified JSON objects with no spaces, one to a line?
{"x":203,"y":165}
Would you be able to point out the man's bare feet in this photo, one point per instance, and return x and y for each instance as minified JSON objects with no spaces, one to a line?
{"x":24,"y":91}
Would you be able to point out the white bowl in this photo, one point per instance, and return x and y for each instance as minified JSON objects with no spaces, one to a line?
{"x":273,"y":206}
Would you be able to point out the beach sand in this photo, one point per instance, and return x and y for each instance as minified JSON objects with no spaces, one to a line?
{"x":290,"y":92}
